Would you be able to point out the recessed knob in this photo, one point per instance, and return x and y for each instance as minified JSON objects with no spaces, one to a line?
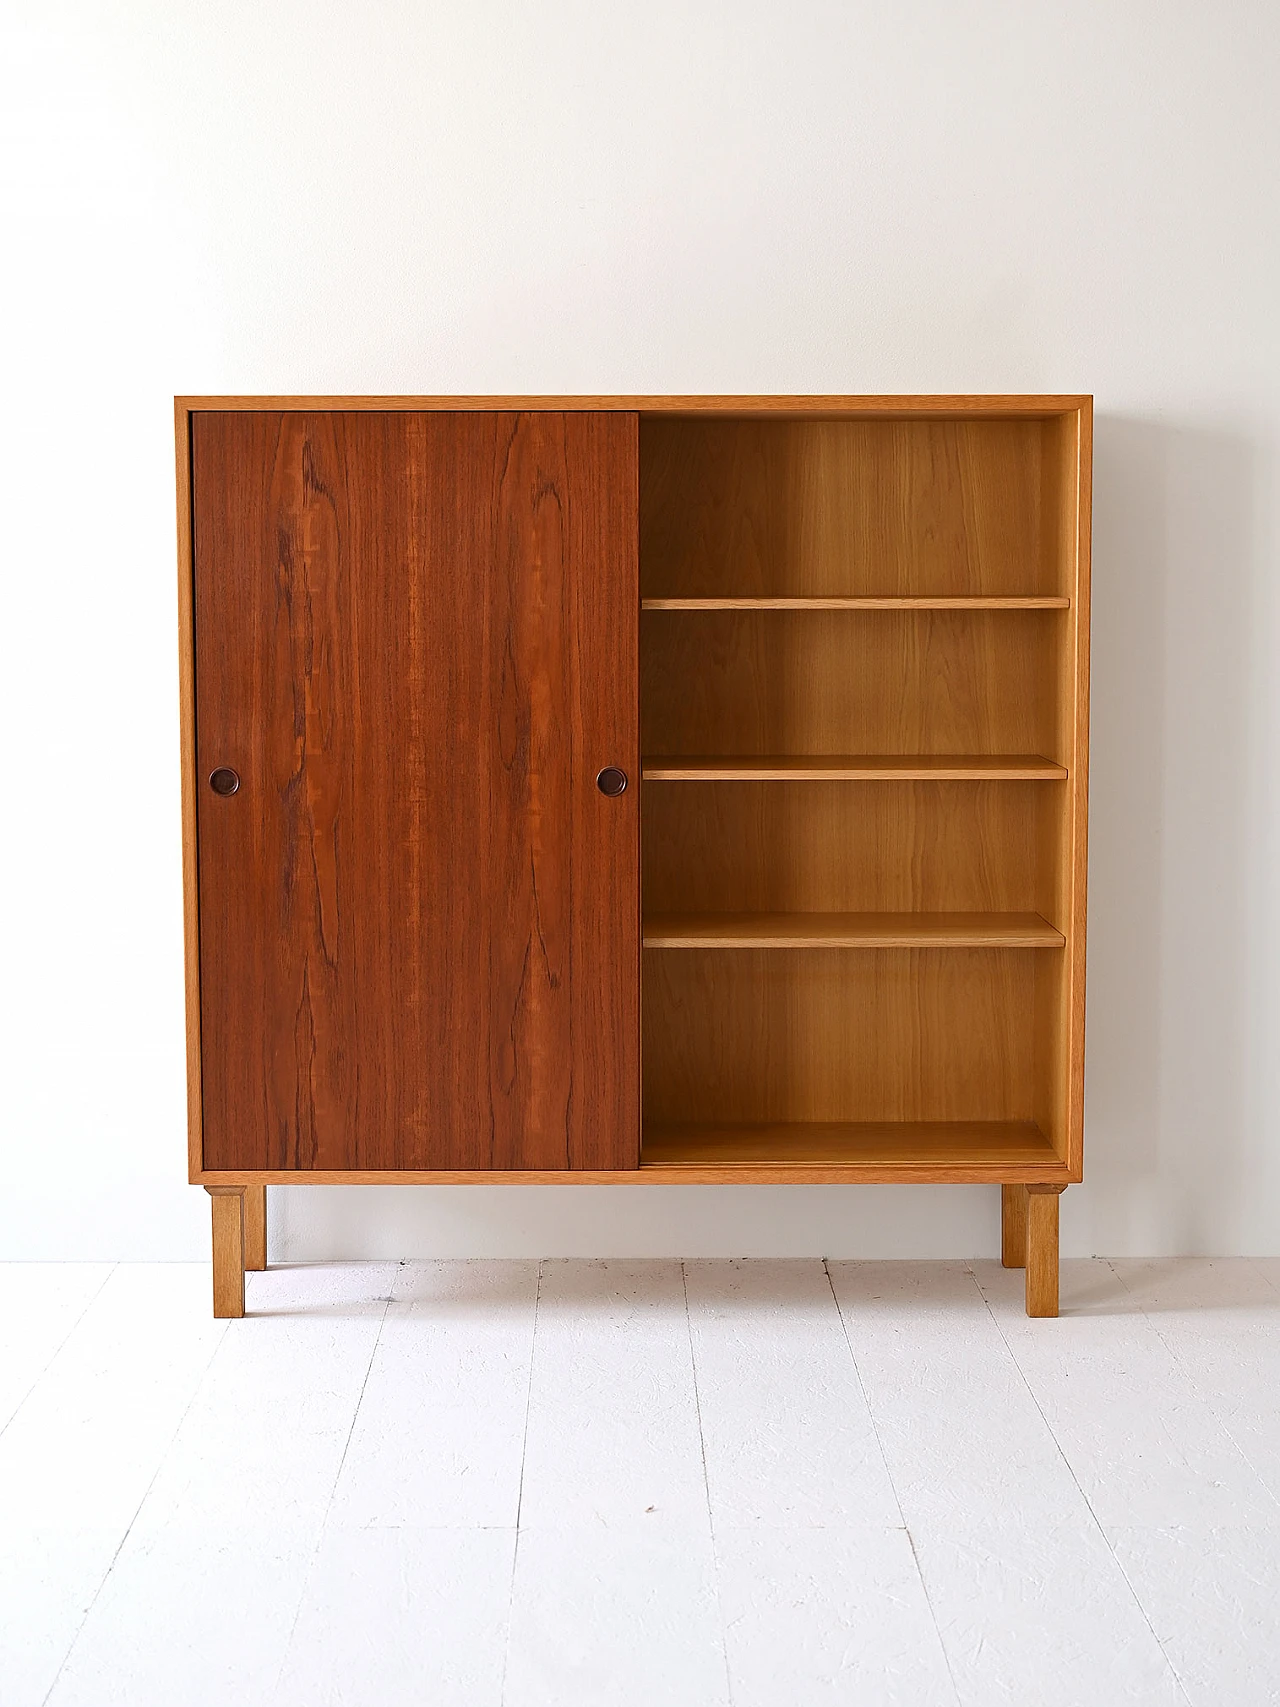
{"x":611,"y":780}
{"x":224,"y":780}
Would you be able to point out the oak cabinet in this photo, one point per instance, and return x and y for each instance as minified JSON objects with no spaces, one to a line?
{"x":530,"y":740}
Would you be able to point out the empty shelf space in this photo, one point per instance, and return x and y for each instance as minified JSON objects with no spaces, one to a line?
{"x":850,"y":930}
{"x":994,"y":1151}
{"x":922,"y":601}
{"x":848,"y":767}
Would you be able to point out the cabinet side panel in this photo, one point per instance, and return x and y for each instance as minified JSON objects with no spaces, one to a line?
{"x":187,"y":740}
{"x":1064,"y":857}
{"x":1083,"y":533}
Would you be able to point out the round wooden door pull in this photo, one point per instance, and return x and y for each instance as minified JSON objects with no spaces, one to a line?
{"x":611,"y":780}
{"x":224,"y":780}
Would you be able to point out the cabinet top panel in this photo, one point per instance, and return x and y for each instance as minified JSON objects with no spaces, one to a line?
{"x":942,"y":407}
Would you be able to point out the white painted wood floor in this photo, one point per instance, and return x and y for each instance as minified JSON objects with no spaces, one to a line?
{"x":758,"y":1483}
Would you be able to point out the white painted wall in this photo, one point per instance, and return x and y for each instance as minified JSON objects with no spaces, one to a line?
{"x":271,"y":195}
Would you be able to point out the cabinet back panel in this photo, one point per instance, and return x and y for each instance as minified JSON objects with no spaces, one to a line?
{"x":760,"y":507}
{"x":773,"y":681}
{"x":415,"y":641}
{"x":840,"y":1035}
{"x":938,"y":847}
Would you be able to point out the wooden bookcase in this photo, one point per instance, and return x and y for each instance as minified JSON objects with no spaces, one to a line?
{"x":832,"y":931}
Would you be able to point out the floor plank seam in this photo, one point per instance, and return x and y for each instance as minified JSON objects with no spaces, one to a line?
{"x":196,"y":1388}
{"x":1205,"y":1394}
{"x":524,"y":1448}
{"x":322,"y":1526}
{"x":706,"y":1485}
{"x":1174,"y":1673}
{"x":888,"y":1470}
{"x":53,"y":1355}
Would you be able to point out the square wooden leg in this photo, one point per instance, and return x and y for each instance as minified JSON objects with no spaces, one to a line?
{"x":1013,"y":1226}
{"x":228,"y":1250}
{"x":1042,"y":1249}
{"x":255,"y":1226}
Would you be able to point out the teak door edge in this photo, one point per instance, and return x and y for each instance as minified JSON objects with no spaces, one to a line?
{"x":188,"y":784}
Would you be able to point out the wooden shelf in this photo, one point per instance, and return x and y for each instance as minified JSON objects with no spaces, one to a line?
{"x":849,"y":767}
{"x":850,"y":930}
{"x":962,"y":602}
{"x":1006,"y":1152}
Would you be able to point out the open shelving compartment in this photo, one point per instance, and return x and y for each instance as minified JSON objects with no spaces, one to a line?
{"x":863,"y":678}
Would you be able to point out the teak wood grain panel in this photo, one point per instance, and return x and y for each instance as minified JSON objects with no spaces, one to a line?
{"x":763,"y":506}
{"x":419,"y":933}
{"x":777,"y":681}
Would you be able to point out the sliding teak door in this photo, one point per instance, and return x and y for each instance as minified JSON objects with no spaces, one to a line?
{"x":415,"y":643}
